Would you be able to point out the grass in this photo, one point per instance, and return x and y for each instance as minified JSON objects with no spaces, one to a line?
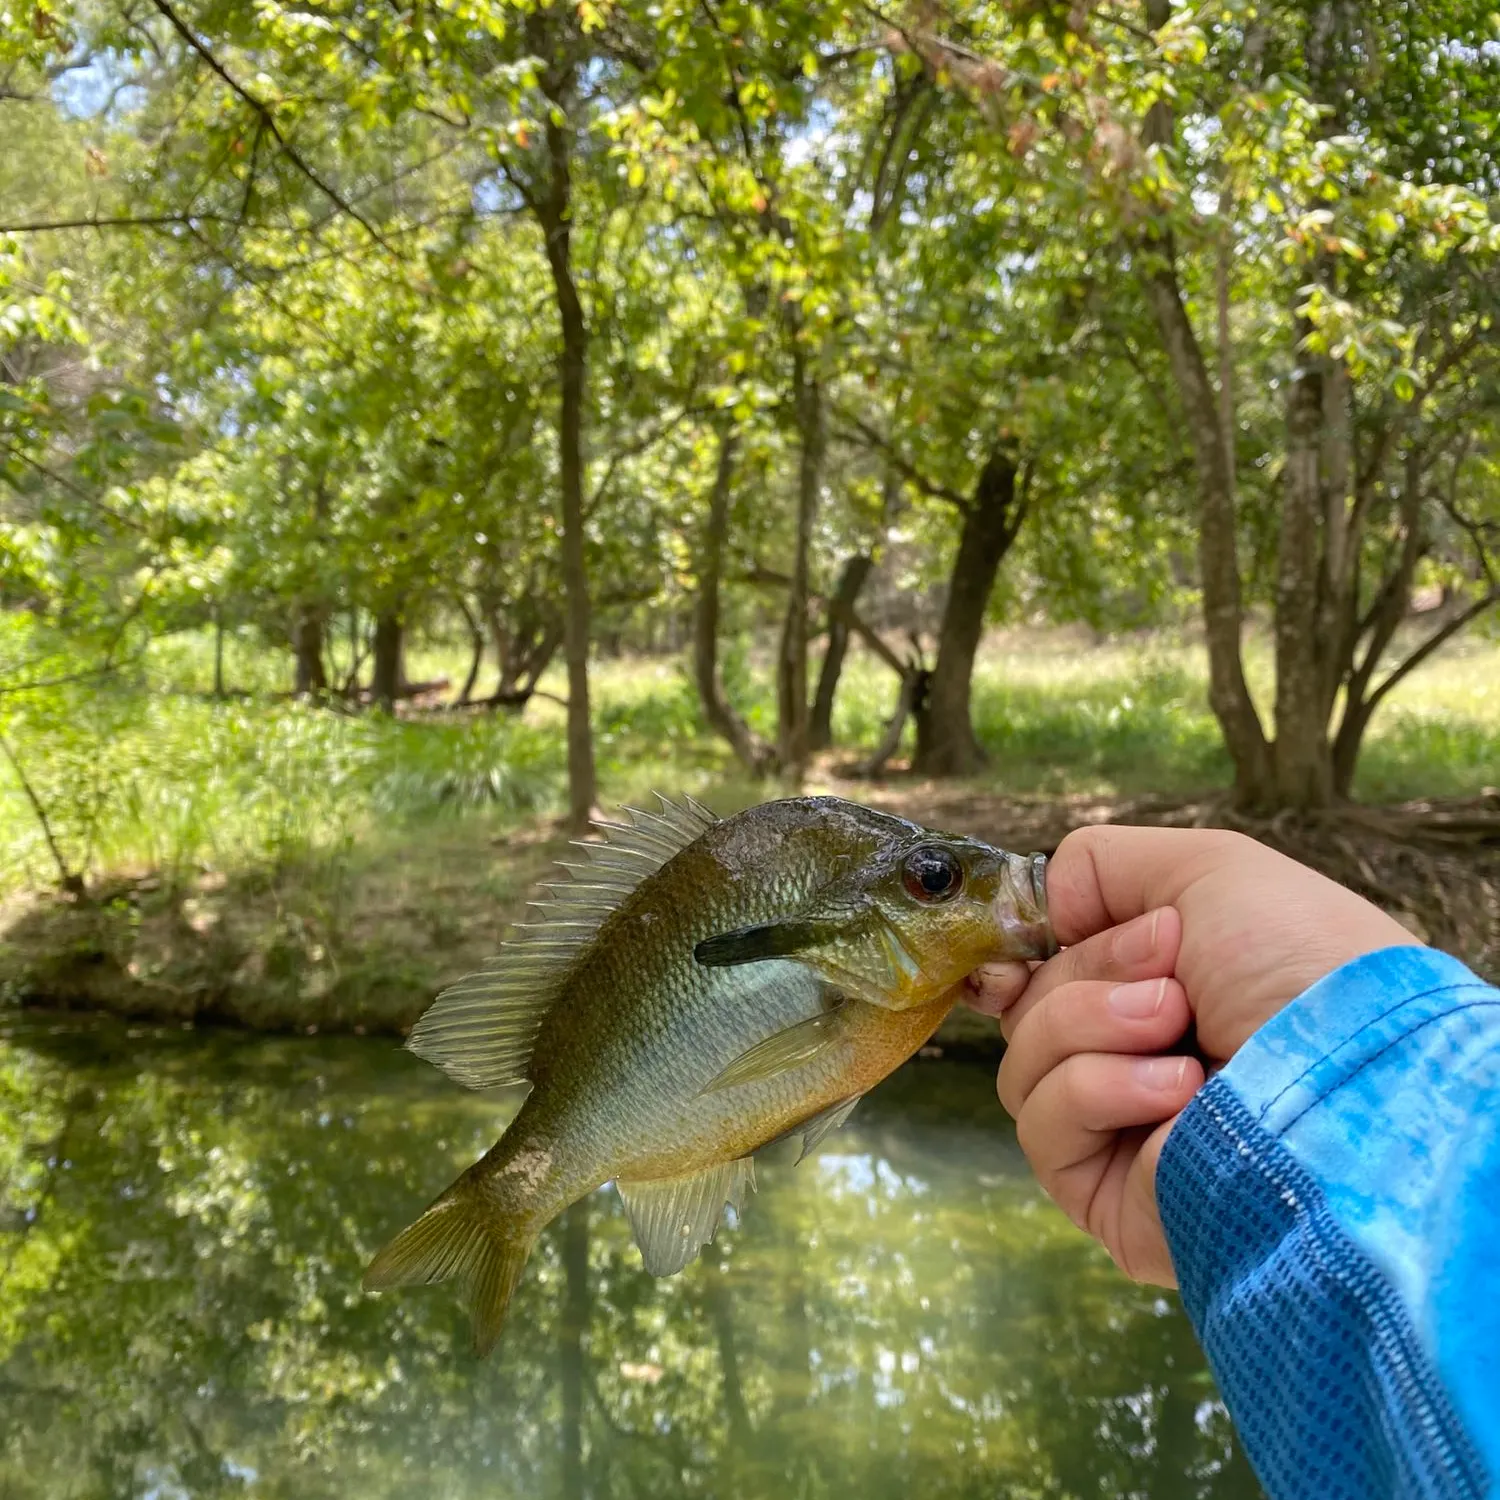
{"x":1062,"y":718}
{"x":287,"y":865}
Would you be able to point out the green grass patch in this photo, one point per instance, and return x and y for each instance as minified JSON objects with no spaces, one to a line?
{"x":151,"y":773}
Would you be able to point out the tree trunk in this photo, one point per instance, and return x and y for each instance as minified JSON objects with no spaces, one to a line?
{"x":218,"y":652}
{"x":749,"y":748}
{"x":721,"y":1318}
{"x":311,"y":680}
{"x":1218,"y":556}
{"x":1300,"y":752}
{"x":555,"y":216}
{"x":946,"y":742}
{"x":476,"y":652}
{"x":385,"y":677}
{"x":791,"y":666}
{"x":505,"y":652}
{"x":357,"y":643}
{"x":910,"y":696}
{"x":1347,"y":743}
{"x":852,"y":578}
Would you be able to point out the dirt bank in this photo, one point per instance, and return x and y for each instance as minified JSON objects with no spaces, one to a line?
{"x":362,"y":943}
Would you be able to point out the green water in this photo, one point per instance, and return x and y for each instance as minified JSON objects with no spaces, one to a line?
{"x":184,"y":1217}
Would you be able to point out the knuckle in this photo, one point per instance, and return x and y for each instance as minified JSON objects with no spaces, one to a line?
{"x":1006,"y":1086}
{"x":1032,"y":1140}
{"x":1069,"y":1086}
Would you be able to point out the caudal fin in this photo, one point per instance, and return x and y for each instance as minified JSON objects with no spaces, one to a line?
{"x":463,"y":1237}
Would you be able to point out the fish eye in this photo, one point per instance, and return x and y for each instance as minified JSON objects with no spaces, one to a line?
{"x":932,"y":873}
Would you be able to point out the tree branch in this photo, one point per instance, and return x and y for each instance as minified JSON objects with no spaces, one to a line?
{"x":268,"y":118}
{"x":68,"y":879}
{"x":642,"y":444}
{"x":769,"y":577}
{"x":125,"y":221}
{"x":74,"y":489}
{"x":903,"y":465}
{"x":1431,"y":644}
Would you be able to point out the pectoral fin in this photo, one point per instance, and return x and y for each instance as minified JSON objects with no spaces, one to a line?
{"x":844,"y":939}
{"x":674,"y":1217}
{"x":787,"y":938}
{"x":794,"y":1047}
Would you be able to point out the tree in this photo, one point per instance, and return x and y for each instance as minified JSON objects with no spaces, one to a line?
{"x":1330,"y":196}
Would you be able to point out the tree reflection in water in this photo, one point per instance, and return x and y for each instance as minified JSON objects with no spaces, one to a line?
{"x":184,"y":1219}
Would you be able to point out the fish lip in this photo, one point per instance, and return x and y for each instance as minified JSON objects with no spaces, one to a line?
{"x":1020,"y":909}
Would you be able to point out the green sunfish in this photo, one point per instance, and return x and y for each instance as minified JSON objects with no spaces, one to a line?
{"x":699,"y":989}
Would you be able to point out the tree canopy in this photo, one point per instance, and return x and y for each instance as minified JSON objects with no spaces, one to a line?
{"x":551,"y":323}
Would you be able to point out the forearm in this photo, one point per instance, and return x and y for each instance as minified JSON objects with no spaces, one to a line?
{"x":1332,"y":1204}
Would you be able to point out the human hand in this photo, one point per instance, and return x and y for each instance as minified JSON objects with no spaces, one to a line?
{"x":1163,"y":927}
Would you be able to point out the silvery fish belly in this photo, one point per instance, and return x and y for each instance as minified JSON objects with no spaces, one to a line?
{"x":698,"y":989}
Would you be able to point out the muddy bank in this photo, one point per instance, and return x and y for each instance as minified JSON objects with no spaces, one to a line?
{"x":362,"y":943}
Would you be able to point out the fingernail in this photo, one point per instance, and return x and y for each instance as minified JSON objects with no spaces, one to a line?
{"x":1137,"y":940}
{"x":1139,"y":1001}
{"x":1163,"y":1073}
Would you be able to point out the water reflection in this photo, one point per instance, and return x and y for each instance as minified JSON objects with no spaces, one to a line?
{"x":183,"y":1221}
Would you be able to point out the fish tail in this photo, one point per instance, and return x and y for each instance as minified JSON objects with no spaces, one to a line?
{"x":464,"y":1235}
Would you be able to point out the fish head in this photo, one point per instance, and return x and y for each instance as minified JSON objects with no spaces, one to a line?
{"x":903,"y":923}
{"x":939,"y":907}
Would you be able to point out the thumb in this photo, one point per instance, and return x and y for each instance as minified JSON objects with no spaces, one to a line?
{"x":1103,"y":876}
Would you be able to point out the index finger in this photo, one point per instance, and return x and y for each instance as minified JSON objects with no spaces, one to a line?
{"x":1105,"y":875}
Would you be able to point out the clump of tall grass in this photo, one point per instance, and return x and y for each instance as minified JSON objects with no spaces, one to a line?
{"x":172,"y":782}
{"x":482,"y":760}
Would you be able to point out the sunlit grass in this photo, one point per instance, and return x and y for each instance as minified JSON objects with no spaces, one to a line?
{"x":164,"y":777}
{"x":1062,"y":717}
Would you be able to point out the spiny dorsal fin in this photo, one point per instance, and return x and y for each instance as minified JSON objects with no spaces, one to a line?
{"x":673,"y":1218}
{"x":481,"y":1031}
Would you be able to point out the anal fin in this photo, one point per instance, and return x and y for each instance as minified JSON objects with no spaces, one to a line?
{"x":672,"y":1218}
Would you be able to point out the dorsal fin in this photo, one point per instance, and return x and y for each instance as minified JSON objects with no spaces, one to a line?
{"x":481,"y":1031}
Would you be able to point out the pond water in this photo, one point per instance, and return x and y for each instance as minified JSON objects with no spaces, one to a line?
{"x":184,"y":1216}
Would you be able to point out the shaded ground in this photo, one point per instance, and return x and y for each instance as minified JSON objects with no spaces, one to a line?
{"x":363,"y":943}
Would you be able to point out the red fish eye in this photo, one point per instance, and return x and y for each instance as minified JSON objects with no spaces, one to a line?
{"x":932,"y":873}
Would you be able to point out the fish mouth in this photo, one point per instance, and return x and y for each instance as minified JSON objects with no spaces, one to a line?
{"x":1020,"y":909}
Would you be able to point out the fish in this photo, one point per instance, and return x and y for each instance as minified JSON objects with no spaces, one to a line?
{"x":699,"y":989}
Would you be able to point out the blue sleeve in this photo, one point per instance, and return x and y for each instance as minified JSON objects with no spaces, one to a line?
{"x":1332,"y":1203}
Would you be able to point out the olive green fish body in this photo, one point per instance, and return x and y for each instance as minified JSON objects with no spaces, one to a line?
{"x":646,"y":1063}
{"x":643,"y":1028}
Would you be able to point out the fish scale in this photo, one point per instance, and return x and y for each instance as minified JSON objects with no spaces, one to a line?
{"x":754,"y":976}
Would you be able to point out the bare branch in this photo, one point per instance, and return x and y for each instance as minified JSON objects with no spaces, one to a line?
{"x":647,"y":440}
{"x":1483,"y":535}
{"x":126,"y":221}
{"x":770,"y":577}
{"x":74,"y":489}
{"x":68,"y":878}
